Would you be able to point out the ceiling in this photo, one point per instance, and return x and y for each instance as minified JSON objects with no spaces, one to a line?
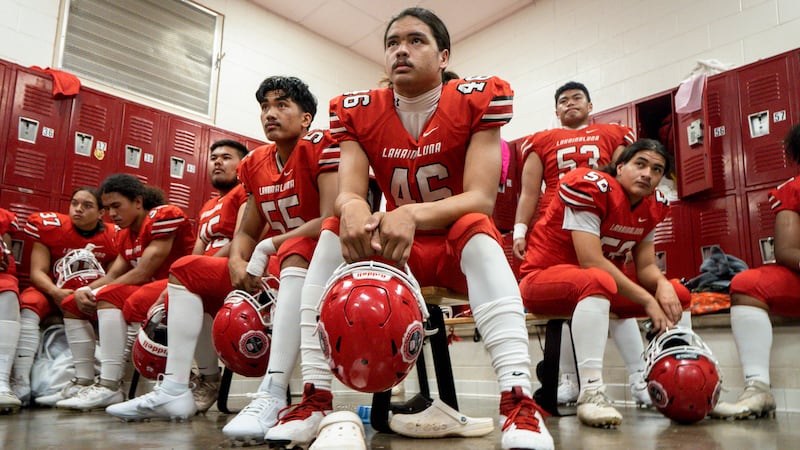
{"x":359,"y":24}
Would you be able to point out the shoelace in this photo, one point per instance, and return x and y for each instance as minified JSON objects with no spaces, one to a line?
{"x":523,"y":412}
{"x":260,"y":402}
{"x":310,"y":404}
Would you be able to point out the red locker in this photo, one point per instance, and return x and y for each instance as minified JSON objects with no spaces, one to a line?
{"x":6,"y":73}
{"x":505,"y":207}
{"x":673,"y":243}
{"x":762,"y":226}
{"x":184,"y":168}
{"x":37,"y":134}
{"x":621,"y":115}
{"x":139,"y":143}
{"x":721,"y":131}
{"x":92,"y":149}
{"x":766,"y":94}
{"x":692,"y":155}
{"x":718,"y":222}
{"x":24,"y":202}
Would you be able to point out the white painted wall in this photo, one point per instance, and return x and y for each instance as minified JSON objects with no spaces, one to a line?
{"x":622,"y":50}
{"x":255,"y":42}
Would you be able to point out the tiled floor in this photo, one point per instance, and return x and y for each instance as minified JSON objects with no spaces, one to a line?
{"x":641,"y":429}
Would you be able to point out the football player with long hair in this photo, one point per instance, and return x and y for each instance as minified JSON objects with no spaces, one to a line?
{"x":771,"y":288}
{"x":574,"y":261}
{"x":9,"y":311}
{"x":153,"y":235}
{"x":57,"y":269}
{"x":435,"y":151}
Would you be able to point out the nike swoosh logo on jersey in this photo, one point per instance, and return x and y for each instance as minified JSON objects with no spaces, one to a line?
{"x":427,"y":133}
{"x":286,"y":174}
{"x":591,"y":131}
{"x":641,"y":219}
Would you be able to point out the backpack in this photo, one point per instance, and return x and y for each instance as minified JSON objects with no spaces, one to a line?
{"x":52,"y":366}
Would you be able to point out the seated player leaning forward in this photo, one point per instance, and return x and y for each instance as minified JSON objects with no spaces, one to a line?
{"x":574,"y":262}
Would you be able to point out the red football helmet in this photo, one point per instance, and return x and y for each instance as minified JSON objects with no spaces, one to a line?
{"x":682,"y":375}
{"x":242,"y":330}
{"x":78,"y":268}
{"x":149,"y":352}
{"x":370,"y":325}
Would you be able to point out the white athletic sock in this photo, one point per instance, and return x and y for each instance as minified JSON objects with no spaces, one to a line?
{"x":497,"y":307}
{"x":113,"y":332}
{"x":82,"y":341}
{"x":628,"y":338}
{"x":27,"y":345}
{"x":204,"y":353}
{"x":285,"y":331}
{"x":752,"y":331}
{"x":185,"y":324}
{"x":589,"y":335}
{"x":505,"y":337}
{"x":567,"y":353}
{"x":327,"y":257}
{"x":9,"y":335}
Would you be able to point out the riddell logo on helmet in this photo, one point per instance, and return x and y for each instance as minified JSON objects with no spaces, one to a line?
{"x":148,"y":345}
{"x":372,"y":275}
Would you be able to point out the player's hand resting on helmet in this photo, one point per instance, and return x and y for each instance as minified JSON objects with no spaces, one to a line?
{"x":668,"y":299}
{"x":394,"y":236}
{"x":356,"y":224}
{"x":660,"y":321}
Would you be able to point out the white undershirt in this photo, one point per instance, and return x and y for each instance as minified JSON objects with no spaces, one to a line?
{"x":590,"y":223}
{"x":415,"y":112}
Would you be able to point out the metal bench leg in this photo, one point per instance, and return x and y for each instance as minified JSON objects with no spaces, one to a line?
{"x":441,"y":358}
{"x":134,"y":383}
{"x":547,"y":370}
{"x":224,"y":390}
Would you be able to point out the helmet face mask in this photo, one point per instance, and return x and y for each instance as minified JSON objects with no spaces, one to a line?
{"x":370,"y":325}
{"x":682,"y":375}
{"x":149,"y":353}
{"x":77,"y":268}
{"x":242,"y":330}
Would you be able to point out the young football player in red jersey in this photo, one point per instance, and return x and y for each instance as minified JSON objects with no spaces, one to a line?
{"x":152,"y":236}
{"x":53,"y":236}
{"x":217,"y":221}
{"x":549,"y":155}
{"x":574,"y":259}
{"x":289,"y":184}
{"x":9,"y":311}
{"x":771,"y":288}
{"x":435,"y":151}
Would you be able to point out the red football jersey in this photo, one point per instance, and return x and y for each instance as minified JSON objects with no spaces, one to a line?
{"x":562,"y":150}
{"x":8,"y":222}
{"x":159,"y":223}
{"x":288,"y":198}
{"x":431,"y":167}
{"x":621,"y":227}
{"x":57,"y":232}
{"x":218,"y":219}
{"x":786,"y":196}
